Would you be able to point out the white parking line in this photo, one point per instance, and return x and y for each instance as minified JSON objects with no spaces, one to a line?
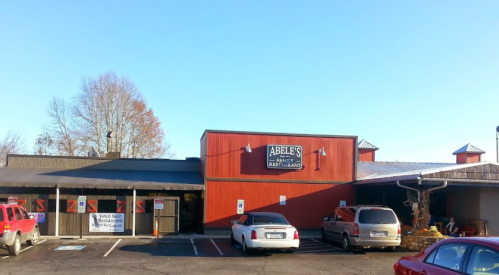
{"x":25,"y":249}
{"x":105,"y":255}
{"x":220,"y":251}
{"x":195,"y":250}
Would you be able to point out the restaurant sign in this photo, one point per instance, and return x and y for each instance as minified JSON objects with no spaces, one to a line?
{"x":284,"y":157}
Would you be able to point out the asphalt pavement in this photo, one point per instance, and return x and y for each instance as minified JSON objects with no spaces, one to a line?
{"x":190,"y":256}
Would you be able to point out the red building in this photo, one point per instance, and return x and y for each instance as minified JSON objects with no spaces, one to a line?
{"x":301,"y":176}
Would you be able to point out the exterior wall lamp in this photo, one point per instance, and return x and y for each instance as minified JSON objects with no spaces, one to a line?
{"x":497,"y":146}
{"x":320,"y":152}
{"x":248,"y":148}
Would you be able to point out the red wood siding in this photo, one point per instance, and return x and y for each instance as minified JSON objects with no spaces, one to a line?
{"x":366,"y":155}
{"x":226,"y":157}
{"x":472,"y":158}
{"x":306,"y":204}
{"x":461,"y":158}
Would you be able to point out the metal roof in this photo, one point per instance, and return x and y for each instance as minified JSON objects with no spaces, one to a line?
{"x":383,"y":172}
{"x":100,"y":178}
{"x":363,"y":144}
{"x":366,"y":170}
{"x":468,"y":148}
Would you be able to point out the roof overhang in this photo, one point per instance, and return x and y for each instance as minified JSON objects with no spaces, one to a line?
{"x":100,"y":179}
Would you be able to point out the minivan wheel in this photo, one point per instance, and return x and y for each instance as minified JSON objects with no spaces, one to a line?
{"x":390,"y":248}
{"x":346,"y":244}
{"x":15,"y":248}
{"x":323,"y":236}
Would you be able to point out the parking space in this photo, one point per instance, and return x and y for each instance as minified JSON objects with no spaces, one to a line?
{"x":94,"y":249}
{"x":176,"y":256}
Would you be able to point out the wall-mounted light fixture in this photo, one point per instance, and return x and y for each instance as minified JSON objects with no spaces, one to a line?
{"x":320,"y":152}
{"x":248,"y":148}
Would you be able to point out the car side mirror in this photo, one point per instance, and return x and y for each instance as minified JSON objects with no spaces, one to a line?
{"x":326,"y":218}
{"x":233,"y":221}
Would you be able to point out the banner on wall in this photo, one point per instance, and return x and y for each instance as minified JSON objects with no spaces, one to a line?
{"x":38,"y":217}
{"x":106,"y":222}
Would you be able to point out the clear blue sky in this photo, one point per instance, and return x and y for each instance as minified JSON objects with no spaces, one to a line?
{"x":418,"y":79}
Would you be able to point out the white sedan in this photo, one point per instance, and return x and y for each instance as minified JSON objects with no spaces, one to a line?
{"x":264,"y":230}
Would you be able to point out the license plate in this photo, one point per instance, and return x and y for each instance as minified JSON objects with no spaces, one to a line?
{"x":379,"y":233}
{"x":274,"y":236}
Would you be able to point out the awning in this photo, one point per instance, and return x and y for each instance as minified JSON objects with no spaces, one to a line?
{"x":100,"y":179}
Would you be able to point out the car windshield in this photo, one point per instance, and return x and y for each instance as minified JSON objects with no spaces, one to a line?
{"x":377,"y":216}
{"x":269,"y":220}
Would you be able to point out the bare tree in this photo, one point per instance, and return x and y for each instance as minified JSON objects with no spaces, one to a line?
{"x":11,"y":143}
{"x":107,"y":105}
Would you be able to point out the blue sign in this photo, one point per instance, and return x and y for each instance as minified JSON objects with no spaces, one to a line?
{"x":82,"y":203}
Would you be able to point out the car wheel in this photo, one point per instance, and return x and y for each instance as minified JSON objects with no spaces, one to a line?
{"x":390,"y":248}
{"x":346,"y":244}
{"x":15,"y":248}
{"x":232,"y":240}
{"x":323,"y":236}
{"x":35,"y":238}
{"x":245,"y":247}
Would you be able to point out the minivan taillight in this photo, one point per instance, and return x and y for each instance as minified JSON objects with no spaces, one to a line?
{"x":253,"y":234}
{"x":6,"y":228}
{"x":356,"y":229}
{"x":399,"y":230}
{"x":296,"y":235}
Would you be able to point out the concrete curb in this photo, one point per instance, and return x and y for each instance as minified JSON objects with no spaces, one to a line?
{"x":180,"y":236}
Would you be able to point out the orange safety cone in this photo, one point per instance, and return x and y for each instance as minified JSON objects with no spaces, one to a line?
{"x":155,"y":231}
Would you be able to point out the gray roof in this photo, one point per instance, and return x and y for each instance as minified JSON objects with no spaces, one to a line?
{"x":363,"y":144}
{"x":389,"y":172}
{"x":366,"y":170}
{"x":100,"y":178}
{"x":468,"y":148}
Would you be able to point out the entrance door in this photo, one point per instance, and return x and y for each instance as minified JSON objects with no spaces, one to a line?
{"x":168,"y":222}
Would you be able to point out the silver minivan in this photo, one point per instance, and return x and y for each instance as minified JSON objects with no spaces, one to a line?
{"x":362,"y":227}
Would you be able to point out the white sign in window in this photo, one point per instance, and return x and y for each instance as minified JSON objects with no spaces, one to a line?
{"x":282,"y":200}
{"x":343,"y":203}
{"x":240,"y":206}
{"x":106,"y":222}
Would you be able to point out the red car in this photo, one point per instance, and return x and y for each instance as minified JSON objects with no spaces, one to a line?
{"x":16,"y":226}
{"x":474,"y":256}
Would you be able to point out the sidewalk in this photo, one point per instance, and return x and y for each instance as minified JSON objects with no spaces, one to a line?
{"x":306,"y":235}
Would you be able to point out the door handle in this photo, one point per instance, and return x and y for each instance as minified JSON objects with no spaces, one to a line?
{"x":333,"y":223}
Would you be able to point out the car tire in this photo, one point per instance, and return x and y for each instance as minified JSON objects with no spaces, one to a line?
{"x":15,"y":248}
{"x":390,"y":248}
{"x":232,"y":240}
{"x":35,"y":238}
{"x":323,"y":236}
{"x":346,"y":244}
{"x":245,"y":247}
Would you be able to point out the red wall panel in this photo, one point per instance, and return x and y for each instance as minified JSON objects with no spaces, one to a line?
{"x":473,"y":158}
{"x":306,"y":204}
{"x":226,"y":157}
{"x":461,"y":158}
{"x":366,"y":155}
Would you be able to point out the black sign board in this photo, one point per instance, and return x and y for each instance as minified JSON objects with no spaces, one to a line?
{"x":284,"y":156}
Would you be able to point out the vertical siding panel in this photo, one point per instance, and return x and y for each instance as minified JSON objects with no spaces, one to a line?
{"x":306,"y":204}
{"x":227,"y":158}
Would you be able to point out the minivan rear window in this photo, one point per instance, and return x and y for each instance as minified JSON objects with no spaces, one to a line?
{"x":377,"y":216}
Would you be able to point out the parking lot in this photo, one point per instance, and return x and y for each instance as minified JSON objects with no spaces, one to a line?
{"x":190,"y":256}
